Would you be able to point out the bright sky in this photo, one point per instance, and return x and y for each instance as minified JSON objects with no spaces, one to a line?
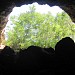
{"x":39,"y":8}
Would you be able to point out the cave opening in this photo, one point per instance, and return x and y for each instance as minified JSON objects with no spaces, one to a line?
{"x":57,"y":18}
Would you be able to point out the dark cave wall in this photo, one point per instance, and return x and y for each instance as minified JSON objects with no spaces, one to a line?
{"x":6,"y":7}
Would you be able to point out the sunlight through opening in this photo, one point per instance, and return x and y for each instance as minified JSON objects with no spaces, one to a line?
{"x":41,"y":25}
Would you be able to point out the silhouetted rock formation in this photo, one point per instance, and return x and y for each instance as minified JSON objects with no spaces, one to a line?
{"x":65,"y":56}
{"x":33,"y":60}
{"x":7,"y":57}
{"x":37,"y":61}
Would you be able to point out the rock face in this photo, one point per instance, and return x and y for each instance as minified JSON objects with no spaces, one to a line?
{"x":6,"y":7}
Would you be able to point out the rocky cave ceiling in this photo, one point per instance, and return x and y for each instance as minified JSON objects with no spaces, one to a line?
{"x":6,"y":7}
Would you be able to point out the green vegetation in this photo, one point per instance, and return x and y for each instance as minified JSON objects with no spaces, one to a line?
{"x":33,"y":28}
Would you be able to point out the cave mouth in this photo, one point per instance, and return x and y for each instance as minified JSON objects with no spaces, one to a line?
{"x":42,"y":45}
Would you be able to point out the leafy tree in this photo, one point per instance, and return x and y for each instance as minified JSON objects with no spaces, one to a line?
{"x":33,"y":28}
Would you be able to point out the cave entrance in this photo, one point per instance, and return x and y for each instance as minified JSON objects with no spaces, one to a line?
{"x":55,"y":29}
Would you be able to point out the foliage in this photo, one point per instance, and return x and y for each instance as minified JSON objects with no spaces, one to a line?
{"x":33,"y":28}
